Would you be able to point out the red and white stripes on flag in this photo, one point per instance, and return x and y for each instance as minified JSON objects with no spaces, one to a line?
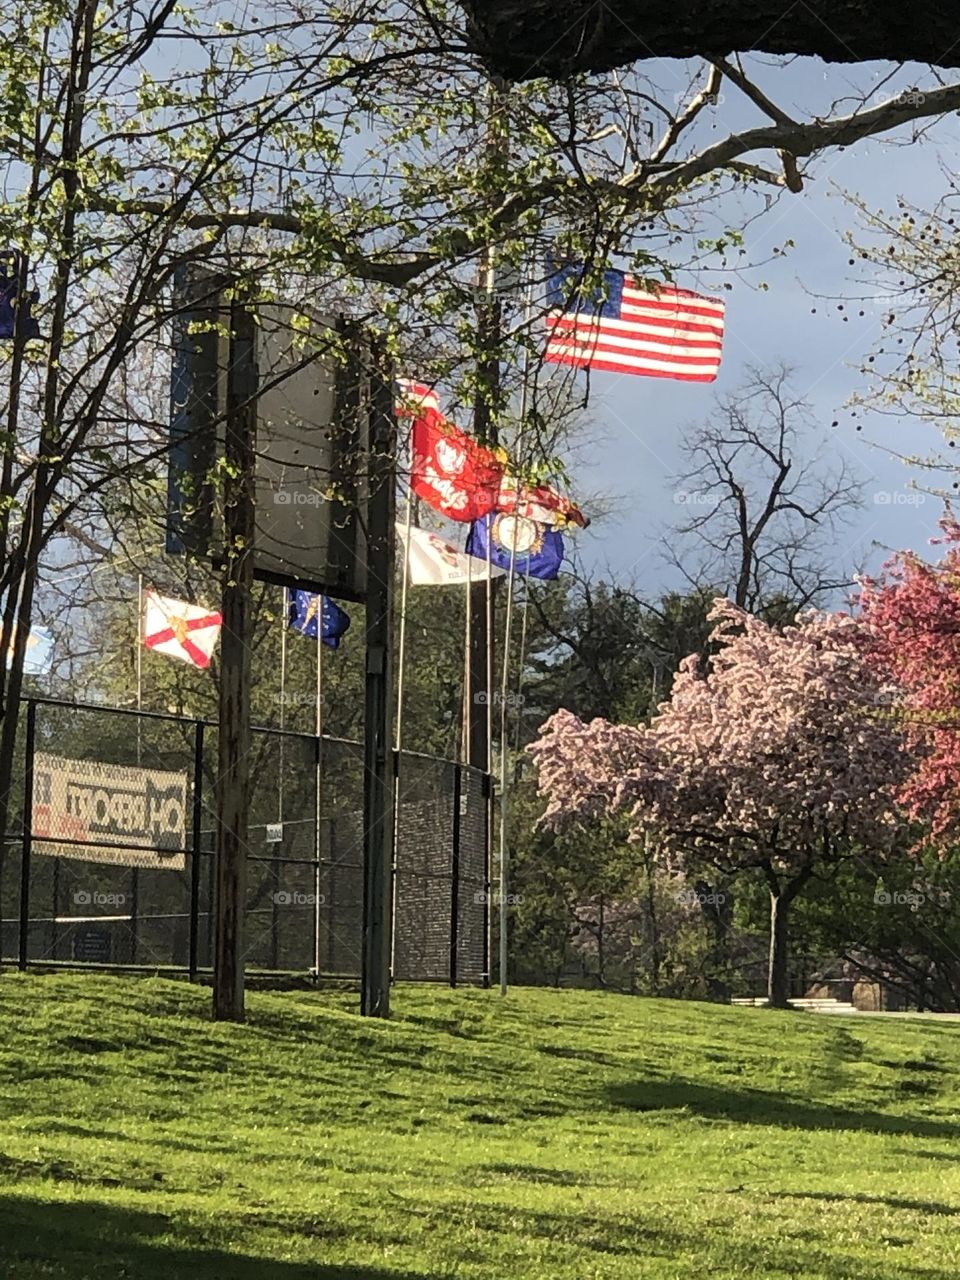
{"x":670,"y":333}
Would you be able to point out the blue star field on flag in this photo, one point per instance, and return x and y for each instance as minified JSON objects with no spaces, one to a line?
{"x":309,"y":611}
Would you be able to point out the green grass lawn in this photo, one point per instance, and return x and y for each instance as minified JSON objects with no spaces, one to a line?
{"x":550,"y":1135}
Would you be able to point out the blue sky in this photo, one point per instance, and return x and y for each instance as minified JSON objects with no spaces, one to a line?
{"x":637,"y":421}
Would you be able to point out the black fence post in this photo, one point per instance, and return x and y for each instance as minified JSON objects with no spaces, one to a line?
{"x":27,"y":833}
{"x":195,"y":840}
{"x":455,"y":875}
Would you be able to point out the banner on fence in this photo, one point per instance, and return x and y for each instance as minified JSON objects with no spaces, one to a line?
{"x":126,"y":816}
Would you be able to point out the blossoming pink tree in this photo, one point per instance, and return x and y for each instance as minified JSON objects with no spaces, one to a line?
{"x":775,"y":759}
{"x":913,"y":616}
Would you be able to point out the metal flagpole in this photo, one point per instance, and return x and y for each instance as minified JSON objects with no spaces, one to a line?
{"x":139,"y":656}
{"x":318,"y":789}
{"x":505,"y":677}
{"x":504,"y":762}
{"x":522,"y":657}
{"x":403,"y":618}
{"x":488,"y":682}
{"x":401,"y":667}
{"x":135,"y":871}
{"x":465,"y":714}
{"x":283,"y":697}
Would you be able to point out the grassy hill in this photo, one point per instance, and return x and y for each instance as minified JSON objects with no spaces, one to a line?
{"x":552,"y":1135}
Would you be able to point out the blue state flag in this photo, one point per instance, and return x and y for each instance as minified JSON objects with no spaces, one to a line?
{"x":537,"y":549}
{"x":310,"y":612}
{"x":11,"y":299}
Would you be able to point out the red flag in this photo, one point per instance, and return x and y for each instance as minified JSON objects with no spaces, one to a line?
{"x":541,"y":503}
{"x":415,"y":397}
{"x":451,"y":471}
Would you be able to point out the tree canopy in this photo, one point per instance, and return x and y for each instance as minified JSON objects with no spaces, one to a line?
{"x":774,"y":759}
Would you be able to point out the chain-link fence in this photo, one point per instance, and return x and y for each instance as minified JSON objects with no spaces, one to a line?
{"x":110,"y":860}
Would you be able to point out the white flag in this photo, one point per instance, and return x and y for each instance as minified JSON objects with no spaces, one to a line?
{"x":435,"y":563}
{"x":185,"y":631}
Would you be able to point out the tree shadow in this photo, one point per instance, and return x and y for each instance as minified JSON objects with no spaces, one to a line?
{"x":647,"y":1237}
{"x":754,"y":1106}
{"x":933,"y":1207}
{"x":55,"y":1240}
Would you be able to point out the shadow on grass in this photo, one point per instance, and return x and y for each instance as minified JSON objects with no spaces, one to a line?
{"x":674,"y":1248}
{"x":53,"y":1240}
{"x":932,"y":1207}
{"x":754,"y":1106}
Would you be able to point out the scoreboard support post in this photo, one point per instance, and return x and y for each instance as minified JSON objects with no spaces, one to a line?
{"x":233,"y":774}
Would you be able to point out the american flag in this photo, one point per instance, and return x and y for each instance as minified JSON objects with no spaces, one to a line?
{"x":672,"y":333}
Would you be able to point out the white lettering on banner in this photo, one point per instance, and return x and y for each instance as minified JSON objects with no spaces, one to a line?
{"x":109,"y":813}
{"x":446,"y":489}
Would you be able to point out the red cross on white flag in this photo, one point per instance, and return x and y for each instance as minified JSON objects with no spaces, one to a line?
{"x":180,"y":630}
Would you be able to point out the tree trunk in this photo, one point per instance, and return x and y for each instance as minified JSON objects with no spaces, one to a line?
{"x":777,"y":975}
{"x":520,"y":39}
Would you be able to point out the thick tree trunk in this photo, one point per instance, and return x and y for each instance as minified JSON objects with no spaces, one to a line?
{"x":521,"y":39}
{"x":777,"y":976}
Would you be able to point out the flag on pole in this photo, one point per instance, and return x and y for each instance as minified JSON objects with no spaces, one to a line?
{"x":310,"y":613}
{"x":541,"y":503}
{"x":11,"y":299}
{"x":457,"y":476}
{"x":435,"y":563}
{"x":38,"y":654}
{"x":536,"y":549}
{"x":186,"y":631}
{"x":415,"y":397}
{"x":625,"y":328}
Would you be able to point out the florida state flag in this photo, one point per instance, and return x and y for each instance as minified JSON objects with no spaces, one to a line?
{"x":180,"y":630}
{"x":451,"y":471}
{"x":541,"y":503}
